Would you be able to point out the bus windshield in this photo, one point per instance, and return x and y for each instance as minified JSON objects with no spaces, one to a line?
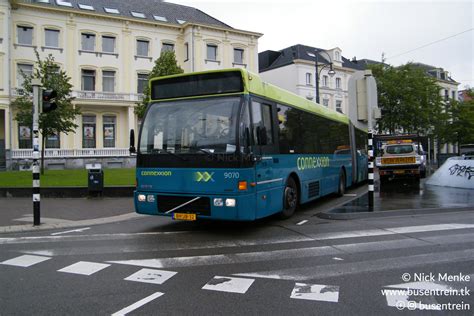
{"x":204,"y":126}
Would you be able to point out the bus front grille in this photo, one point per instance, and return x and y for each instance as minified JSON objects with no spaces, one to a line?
{"x":201,"y":206}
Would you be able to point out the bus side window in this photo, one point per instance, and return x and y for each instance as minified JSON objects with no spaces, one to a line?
{"x":245,"y":134}
{"x":262,"y":124}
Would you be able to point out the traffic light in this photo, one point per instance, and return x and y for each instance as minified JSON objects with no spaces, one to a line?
{"x":49,"y":102}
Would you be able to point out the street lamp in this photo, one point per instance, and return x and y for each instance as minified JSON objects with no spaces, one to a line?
{"x":331,"y":71}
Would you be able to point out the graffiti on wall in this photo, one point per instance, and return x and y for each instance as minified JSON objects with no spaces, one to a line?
{"x":462,"y":171}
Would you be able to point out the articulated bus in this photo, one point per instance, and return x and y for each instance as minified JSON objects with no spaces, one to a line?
{"x":224,"y":145}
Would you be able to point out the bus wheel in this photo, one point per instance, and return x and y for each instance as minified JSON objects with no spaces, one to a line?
{"x":341,"y":188}
{"x":290,"y":199}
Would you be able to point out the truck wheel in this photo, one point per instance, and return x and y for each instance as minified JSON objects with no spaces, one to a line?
{"x":341,"y":188}
{"x":290,"y":199}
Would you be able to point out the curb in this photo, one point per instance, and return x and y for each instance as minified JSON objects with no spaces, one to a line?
{"x":87,"y":222}
{"x":376,"y":214}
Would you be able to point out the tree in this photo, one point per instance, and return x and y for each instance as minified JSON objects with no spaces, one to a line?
{"x":164,"y":66}
{"x":55,"y":122}
{"x":460,"y":124}
{"x":409,"y":99}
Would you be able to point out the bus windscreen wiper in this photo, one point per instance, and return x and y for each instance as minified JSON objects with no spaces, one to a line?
{"x":172,"y":154}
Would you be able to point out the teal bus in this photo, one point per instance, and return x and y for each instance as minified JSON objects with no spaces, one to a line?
{"x":225,"y":145}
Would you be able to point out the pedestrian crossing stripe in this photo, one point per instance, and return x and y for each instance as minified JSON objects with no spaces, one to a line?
{"x":25,"y":261}
{"x":229,"y":284}
{"x":153,"y":276}
{"x":84,"y":268}
{"x":315,"y":292}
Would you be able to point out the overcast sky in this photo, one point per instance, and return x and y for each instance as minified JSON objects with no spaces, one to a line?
{"x":363,"y":29}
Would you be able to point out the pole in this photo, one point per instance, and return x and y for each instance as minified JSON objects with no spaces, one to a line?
{"x":36,"y":83}
{"x":370,"y":143}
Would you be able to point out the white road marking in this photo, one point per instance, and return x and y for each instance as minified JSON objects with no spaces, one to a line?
{"x":84,"y":268}
{"x":25,"y":261}
{"x":338,"y":259}
{"x":397,"y":295}
{"x":71,"y":231}
{"x":138,"y":304}
{"x":350,"y":194}
{"x":316,"y":292}
{"x":302,"y":222}
{"x":227,"y":284}
{"x":151,"y":276}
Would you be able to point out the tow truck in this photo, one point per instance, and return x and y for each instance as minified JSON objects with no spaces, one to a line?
{"x":401,"y":159}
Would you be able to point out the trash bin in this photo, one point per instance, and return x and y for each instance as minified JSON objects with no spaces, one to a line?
{"x":95,"y":179}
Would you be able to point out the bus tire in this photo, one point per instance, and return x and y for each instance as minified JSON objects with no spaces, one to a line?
{"x":290,"y":199}
{"x":341,"y":187}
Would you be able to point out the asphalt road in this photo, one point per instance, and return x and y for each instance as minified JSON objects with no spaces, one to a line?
{"x":304,"y":266}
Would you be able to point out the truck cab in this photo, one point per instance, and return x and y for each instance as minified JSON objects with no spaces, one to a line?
{"x":401,"y":159}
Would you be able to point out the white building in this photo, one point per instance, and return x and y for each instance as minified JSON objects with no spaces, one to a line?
{"x":293,"y":68}
{"x":107,"y":47}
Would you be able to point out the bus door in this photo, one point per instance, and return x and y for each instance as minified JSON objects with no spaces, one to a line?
{"x":269,"y":182}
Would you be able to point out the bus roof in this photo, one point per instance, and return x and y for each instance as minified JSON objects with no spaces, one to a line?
{"x":253,"y":84}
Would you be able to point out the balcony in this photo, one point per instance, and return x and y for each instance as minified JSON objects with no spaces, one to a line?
{"x":72,"y":153}
{"x":97,"y":95}
{"x":107,"y":96}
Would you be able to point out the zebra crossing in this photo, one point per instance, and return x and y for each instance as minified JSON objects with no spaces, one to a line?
{"x":236,"y":284}
{"x":229,"y":284}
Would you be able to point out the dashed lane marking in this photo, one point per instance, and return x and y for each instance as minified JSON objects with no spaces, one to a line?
{"x":302,"y":222}
{"x":151,"y":276}
{"x":227,"y":284}
{"x":25,"y":261}
{"x":71,"y":231}
{"x":316,"y":292}
{"x":84,"y":268}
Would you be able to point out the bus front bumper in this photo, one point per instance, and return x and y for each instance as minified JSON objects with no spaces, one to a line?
{"x":229,"y":207}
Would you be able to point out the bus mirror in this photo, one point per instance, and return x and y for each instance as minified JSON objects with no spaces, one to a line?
{"x":132,"y":142}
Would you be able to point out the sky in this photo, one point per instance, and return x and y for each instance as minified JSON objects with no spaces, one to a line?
{"x":362,"y":29}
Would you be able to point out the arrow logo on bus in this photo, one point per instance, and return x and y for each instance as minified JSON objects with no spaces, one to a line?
{"x":203,"y":176}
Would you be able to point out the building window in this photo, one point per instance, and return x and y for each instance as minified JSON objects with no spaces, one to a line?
{"x":166,"y":47}
{"x":326,"y":102}
{"x":25,"y":35}
{"x":88,"y":42}
{"x":23,"y":70}
{"x":88,"y":131}
{"x":186,"y":51}
{"x":446,"y":94}
{"x":109,"y":131}
{"x":53,"y":141}
{"x":338,"y":83}
{"x":24,"y":137}
{"x":211,"y":52}
{"x":51,"y":38}
{"x":339,"y":106}
{"x":308,"y":79}
{"x":453,"y":93}
{"x":88,"y":80}
{"x":143,"y":48}
{"x":238,"y":56}
{"x":142,"y":82}
{"x":325,"y":81}
{"x":108,"y":81}
{"x":337,"y":56}
{"x":108,"y":44}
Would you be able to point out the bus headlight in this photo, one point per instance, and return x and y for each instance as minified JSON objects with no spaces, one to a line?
{"x":150,"y":198}
{"x":141,"y":198}
{"x":230,"y":202}
{"x":218,"y":202}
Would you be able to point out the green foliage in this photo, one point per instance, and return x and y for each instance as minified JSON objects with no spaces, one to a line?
{"x":459,"y":128}
{"x":164,"y":66}
{"x":409,"y":99}
{"x":52,"y":77}
{"x":62,"y":119}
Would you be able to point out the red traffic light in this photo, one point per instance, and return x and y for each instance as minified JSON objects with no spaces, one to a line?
{"x":49,"y":102}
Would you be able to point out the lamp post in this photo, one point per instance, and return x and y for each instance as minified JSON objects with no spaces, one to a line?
{"x":318,"y":70}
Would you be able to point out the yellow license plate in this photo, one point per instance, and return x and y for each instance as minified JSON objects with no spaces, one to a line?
{"x":399,"y":171}
{"x":184,"y":216}
{"x":398,"y":160}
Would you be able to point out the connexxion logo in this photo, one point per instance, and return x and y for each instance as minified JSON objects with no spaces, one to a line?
{"x":203,"y":176}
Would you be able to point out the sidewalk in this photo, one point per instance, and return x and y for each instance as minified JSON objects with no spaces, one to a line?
{"x":16,"y":214}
